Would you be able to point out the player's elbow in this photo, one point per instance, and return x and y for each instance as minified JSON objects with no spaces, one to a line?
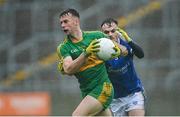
{"x":140,"y":55}
{"x":69,"y":70}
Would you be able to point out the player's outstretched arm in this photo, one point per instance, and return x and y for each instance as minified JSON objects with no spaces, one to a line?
{"x":137,"y":50}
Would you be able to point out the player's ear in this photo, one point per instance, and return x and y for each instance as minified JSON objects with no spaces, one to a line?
{"x":77,"y":21}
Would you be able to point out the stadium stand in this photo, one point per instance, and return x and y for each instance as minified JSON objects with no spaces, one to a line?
{"x":30,"y":33}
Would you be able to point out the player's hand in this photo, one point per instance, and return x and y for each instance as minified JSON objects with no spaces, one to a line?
{"x":117,"y":51}
{"x":93,"y":47}
{"x":124,"y":34}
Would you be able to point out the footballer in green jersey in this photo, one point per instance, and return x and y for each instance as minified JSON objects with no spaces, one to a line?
{"x":78,"y":57}
{"x":92,"y":76}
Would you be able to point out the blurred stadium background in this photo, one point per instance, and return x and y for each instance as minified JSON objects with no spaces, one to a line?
{"x":30,"y":33}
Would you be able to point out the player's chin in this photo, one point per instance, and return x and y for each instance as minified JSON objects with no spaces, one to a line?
{"x":66,"y":31}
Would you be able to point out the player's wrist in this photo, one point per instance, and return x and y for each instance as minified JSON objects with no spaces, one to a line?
{"x":85,"y":53}
{"x":128,"y":39}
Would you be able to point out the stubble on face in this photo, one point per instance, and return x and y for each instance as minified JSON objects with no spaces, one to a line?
{"x":109,"y":28}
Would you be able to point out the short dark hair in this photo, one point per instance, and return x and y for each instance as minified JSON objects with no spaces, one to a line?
{"x":71,"y":11}
{"x":109,"y":21}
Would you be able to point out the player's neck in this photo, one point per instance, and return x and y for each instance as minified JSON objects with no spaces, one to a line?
{"x":77,"y":36}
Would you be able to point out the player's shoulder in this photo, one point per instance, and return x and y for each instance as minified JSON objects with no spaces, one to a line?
{"x":62,"y":44}
{"x":97,"y":34}
{"x":93,"y":32}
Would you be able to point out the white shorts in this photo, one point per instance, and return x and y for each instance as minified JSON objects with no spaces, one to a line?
{"x":121,"y":106}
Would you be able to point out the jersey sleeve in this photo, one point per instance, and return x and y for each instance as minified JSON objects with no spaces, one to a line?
{"x":62,"y":51}
{"x":137,"y":50}
{"x":101,"y":35}
{"x":104,"y":35}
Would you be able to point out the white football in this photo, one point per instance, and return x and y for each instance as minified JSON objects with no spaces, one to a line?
{"x":106,"y":49}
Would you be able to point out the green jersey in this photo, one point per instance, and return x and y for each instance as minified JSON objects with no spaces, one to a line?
{"x":93,"y":72}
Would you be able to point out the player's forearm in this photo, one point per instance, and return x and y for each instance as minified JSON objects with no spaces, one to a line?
{"x":74,"y":66}
{"x":138,"y":51}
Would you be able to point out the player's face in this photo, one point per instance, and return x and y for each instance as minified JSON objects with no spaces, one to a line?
{"x":68,"y":23}
{"x":110,"y":30}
